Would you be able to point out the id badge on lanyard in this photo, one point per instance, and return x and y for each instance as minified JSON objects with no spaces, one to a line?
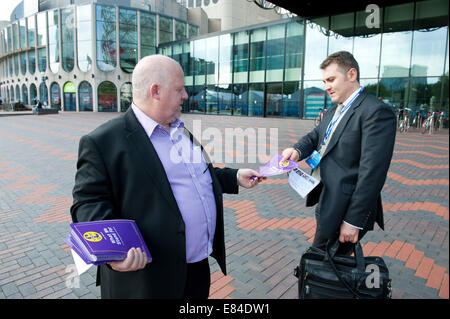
{"x":313,"y":160}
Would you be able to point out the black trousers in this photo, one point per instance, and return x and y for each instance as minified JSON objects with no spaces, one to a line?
{"x":198,"y":280}
{"x":320,"y":241}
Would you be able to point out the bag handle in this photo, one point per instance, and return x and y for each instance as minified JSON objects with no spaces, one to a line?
{"x":358,"y":253}
{"x":357,"y":250}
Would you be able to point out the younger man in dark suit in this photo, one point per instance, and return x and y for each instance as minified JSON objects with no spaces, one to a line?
{"x":355,"y":140}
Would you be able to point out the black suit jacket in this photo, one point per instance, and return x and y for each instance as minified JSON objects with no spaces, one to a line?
{"x":120,"y":176}
{"x":354,"y":166}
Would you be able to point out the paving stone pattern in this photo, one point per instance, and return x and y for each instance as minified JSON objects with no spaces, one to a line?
{"x":267,"y":228}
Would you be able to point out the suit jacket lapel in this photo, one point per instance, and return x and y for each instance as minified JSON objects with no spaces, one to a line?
{"x":341,"y":126}
{"x":147,"y":157}
{"x":216,"y":184}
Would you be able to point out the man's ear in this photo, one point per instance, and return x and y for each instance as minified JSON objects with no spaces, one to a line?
{"x":352,"y":74}
{"x":154,"y":91}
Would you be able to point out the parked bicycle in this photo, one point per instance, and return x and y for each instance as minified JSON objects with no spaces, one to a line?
{"x":428,"y":124}
{"x":403,"y":123}
{"x":417,"y":121}
{"x":320,"y":116}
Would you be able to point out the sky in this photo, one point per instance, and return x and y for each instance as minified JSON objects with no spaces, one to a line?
{"x":6,"y":7}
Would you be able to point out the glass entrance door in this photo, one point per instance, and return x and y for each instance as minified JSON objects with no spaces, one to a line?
{"x":273,"y":99}
{"x":70,"y":91}
{"x":69,"y":102}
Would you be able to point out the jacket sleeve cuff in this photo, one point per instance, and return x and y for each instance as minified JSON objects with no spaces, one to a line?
{"x":353,"y":225}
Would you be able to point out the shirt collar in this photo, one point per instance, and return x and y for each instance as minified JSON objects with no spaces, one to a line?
{"x":149,"y":124}
{"x":351,"y":96}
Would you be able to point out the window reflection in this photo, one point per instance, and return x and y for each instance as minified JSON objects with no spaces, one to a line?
{"x":314,"y":97}
{"x":193,"y":31}
{"x":294,"y":51}
{"x":85,"y":96}
{"x":393,"y":91}
{"x":180,"y":30}
{"x":42,"y":41}
{"x":315,"y":47}
{"x":396,"y":41}
{"x":84,"y":38}
{"x":33,"y":94}
{"x":15,"y":34}
{"x":197,"y":99}
{"x":186,"y":63}
{"x":366,"y":48}
{"x":16,"y":64}
{"x":291,"y":99}
{"x":31,"y":21}
{"x":41,"y":28}
{"x":128,"y":39}
{"x":257,"y":48}
{"x":23,"y":63}
{"x":107,"y":97}
{"x":148,"y":34}
{"x":55,"y":96}
{"x":425,"y":93}
{"x":165,"y":29}
{"x":341,"y":33}
{"x":275,"y":53}
{"x":240,"y":57}
{"x":225,"y":97}
{"x":53,"y":40}
{"x":428,"y":52}
{"x":370,"y":86}
{"x":211,"y":100}
{"x":106,"y":37}
{"x":67,"y":38}
{"x":225,"y":56}
{"x":126,"y":96}
{"x":25,"y":94}
{"x":42,"y":59}
{"x":43,"y":93}
{"x":212,"y":60}
{"x":22,"y":32}
{"x":256,"y":99}
{"x":240,"y":99}
{"x":199,"y":56}
{"x":18,"y":95}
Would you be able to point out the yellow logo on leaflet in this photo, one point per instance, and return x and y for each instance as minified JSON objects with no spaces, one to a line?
{"x":283,"y":164}
{"x":92,"y":236}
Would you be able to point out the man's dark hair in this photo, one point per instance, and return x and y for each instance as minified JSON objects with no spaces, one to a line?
{"x":342,"y":58}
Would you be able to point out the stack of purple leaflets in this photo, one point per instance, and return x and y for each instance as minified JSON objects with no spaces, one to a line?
{"x":276,"y":167}
{"x":99,"y":242}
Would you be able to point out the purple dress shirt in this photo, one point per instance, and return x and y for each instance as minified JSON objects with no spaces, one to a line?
{"x":190,"y":180}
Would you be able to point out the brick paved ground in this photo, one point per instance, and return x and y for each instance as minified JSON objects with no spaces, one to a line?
{"x":267,"y":228}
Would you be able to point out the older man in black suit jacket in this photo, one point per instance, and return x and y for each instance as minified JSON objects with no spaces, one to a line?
{"x":356,"y":141}
{"x":128,"y":169}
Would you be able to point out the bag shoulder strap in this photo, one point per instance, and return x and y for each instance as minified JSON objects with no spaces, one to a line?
{"x":333,"y":266}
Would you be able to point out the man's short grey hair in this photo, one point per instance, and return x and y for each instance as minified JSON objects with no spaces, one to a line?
{"x":150,"y":70}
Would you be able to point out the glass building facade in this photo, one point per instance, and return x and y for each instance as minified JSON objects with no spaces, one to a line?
{"x":273,"y":69}
{"x":80,"y":57}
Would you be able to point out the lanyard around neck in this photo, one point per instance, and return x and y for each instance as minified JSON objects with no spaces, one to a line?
{"x":331,"y":125}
